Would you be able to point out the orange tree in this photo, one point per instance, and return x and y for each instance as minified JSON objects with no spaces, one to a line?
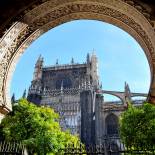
{"x":37,"y":127}
{"x":137,"y":126}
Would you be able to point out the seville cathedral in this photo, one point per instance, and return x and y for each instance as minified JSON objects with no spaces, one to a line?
{"x":23,"y":21}
{"x":74,"y":91}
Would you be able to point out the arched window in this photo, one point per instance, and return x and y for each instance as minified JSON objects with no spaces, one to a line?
{"x":66,"y":82}
{"x":112,"y":125}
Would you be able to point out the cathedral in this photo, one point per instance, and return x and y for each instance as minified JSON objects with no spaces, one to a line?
{"x":74,"y":91}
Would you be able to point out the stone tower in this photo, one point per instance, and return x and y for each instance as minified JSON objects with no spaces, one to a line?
{"x":94,"y":70}
{"x":34,"y":93}
{"x":38,"y":69}
{"x":59,"y":86}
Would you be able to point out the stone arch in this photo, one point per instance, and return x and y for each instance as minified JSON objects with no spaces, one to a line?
{"x":111,"y":123}
{"x":117,"y":95}
{"x":46,"y":14}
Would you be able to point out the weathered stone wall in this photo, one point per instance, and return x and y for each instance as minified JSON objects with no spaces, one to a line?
{"x":99,"y":128}
{"x":87,"y":122}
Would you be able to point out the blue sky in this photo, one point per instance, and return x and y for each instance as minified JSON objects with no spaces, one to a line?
{"x":120,"y":57}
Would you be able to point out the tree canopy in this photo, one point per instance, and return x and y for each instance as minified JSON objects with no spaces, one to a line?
{"x":137,"y":126}
{"x":37,"y":127}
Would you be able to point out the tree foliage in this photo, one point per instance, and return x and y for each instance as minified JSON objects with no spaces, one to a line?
{"x":137,"y":126}
{"x":37,"y":127}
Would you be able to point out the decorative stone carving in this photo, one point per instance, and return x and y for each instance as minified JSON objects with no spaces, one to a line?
{"x":47,"y":14}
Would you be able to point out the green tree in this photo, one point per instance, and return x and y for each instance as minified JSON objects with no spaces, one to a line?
{"x":37,"y":127}
{"x":137,"y":126}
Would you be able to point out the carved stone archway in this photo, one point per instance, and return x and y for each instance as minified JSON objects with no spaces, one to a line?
{"x":46,"y":14}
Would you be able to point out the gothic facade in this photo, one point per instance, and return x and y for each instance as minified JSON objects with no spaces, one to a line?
{"x":74,"y":91}
{"x":59,"y":86}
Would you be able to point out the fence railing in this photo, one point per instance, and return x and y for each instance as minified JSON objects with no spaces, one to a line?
{"x":14,"y":148}
{"x":11,"y":148}
{"x":111,"y":149}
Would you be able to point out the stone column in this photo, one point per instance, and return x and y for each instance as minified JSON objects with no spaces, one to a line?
{"x":87,"y":123}
{"x":98,"y":119}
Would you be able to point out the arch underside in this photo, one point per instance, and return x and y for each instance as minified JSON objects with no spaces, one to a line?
{"x":51,"y":13}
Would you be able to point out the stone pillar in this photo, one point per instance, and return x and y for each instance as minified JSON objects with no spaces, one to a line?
{"x":98,"y":119}
{"x":87,"y":123}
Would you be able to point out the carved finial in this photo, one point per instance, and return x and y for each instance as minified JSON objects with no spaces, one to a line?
{"x":125,"y":83}
{"x":38,"y":68}
{"x":88,"y":58}
{"x":72,"y":61}
{"x":79,"y":86}
{"x":93,"y":55}
{"x":127,"y":87}
{"x":57,"y":62}
{"x":62,"y":86}
{"x":40,"y":59}
{"x":40,"y":56}
{"x":24,"y":94}
{"x":127,"y":92}
{"x":13,"y":98}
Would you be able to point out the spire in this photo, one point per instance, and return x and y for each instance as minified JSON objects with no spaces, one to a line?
{"x":38,"y":68}
{"x":24,"y":94}
{"x":93,"y":54}
{"x":13,"y":98}
{"x":72,"y":61}
{"x":39,"y":57}
{"x":127,"y":92}
{"x":40,"y":60}
{"x":94,"y":70}
{"x":57,"y":62}
{"x":127,"y":89}
{"x":88,"y":58}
